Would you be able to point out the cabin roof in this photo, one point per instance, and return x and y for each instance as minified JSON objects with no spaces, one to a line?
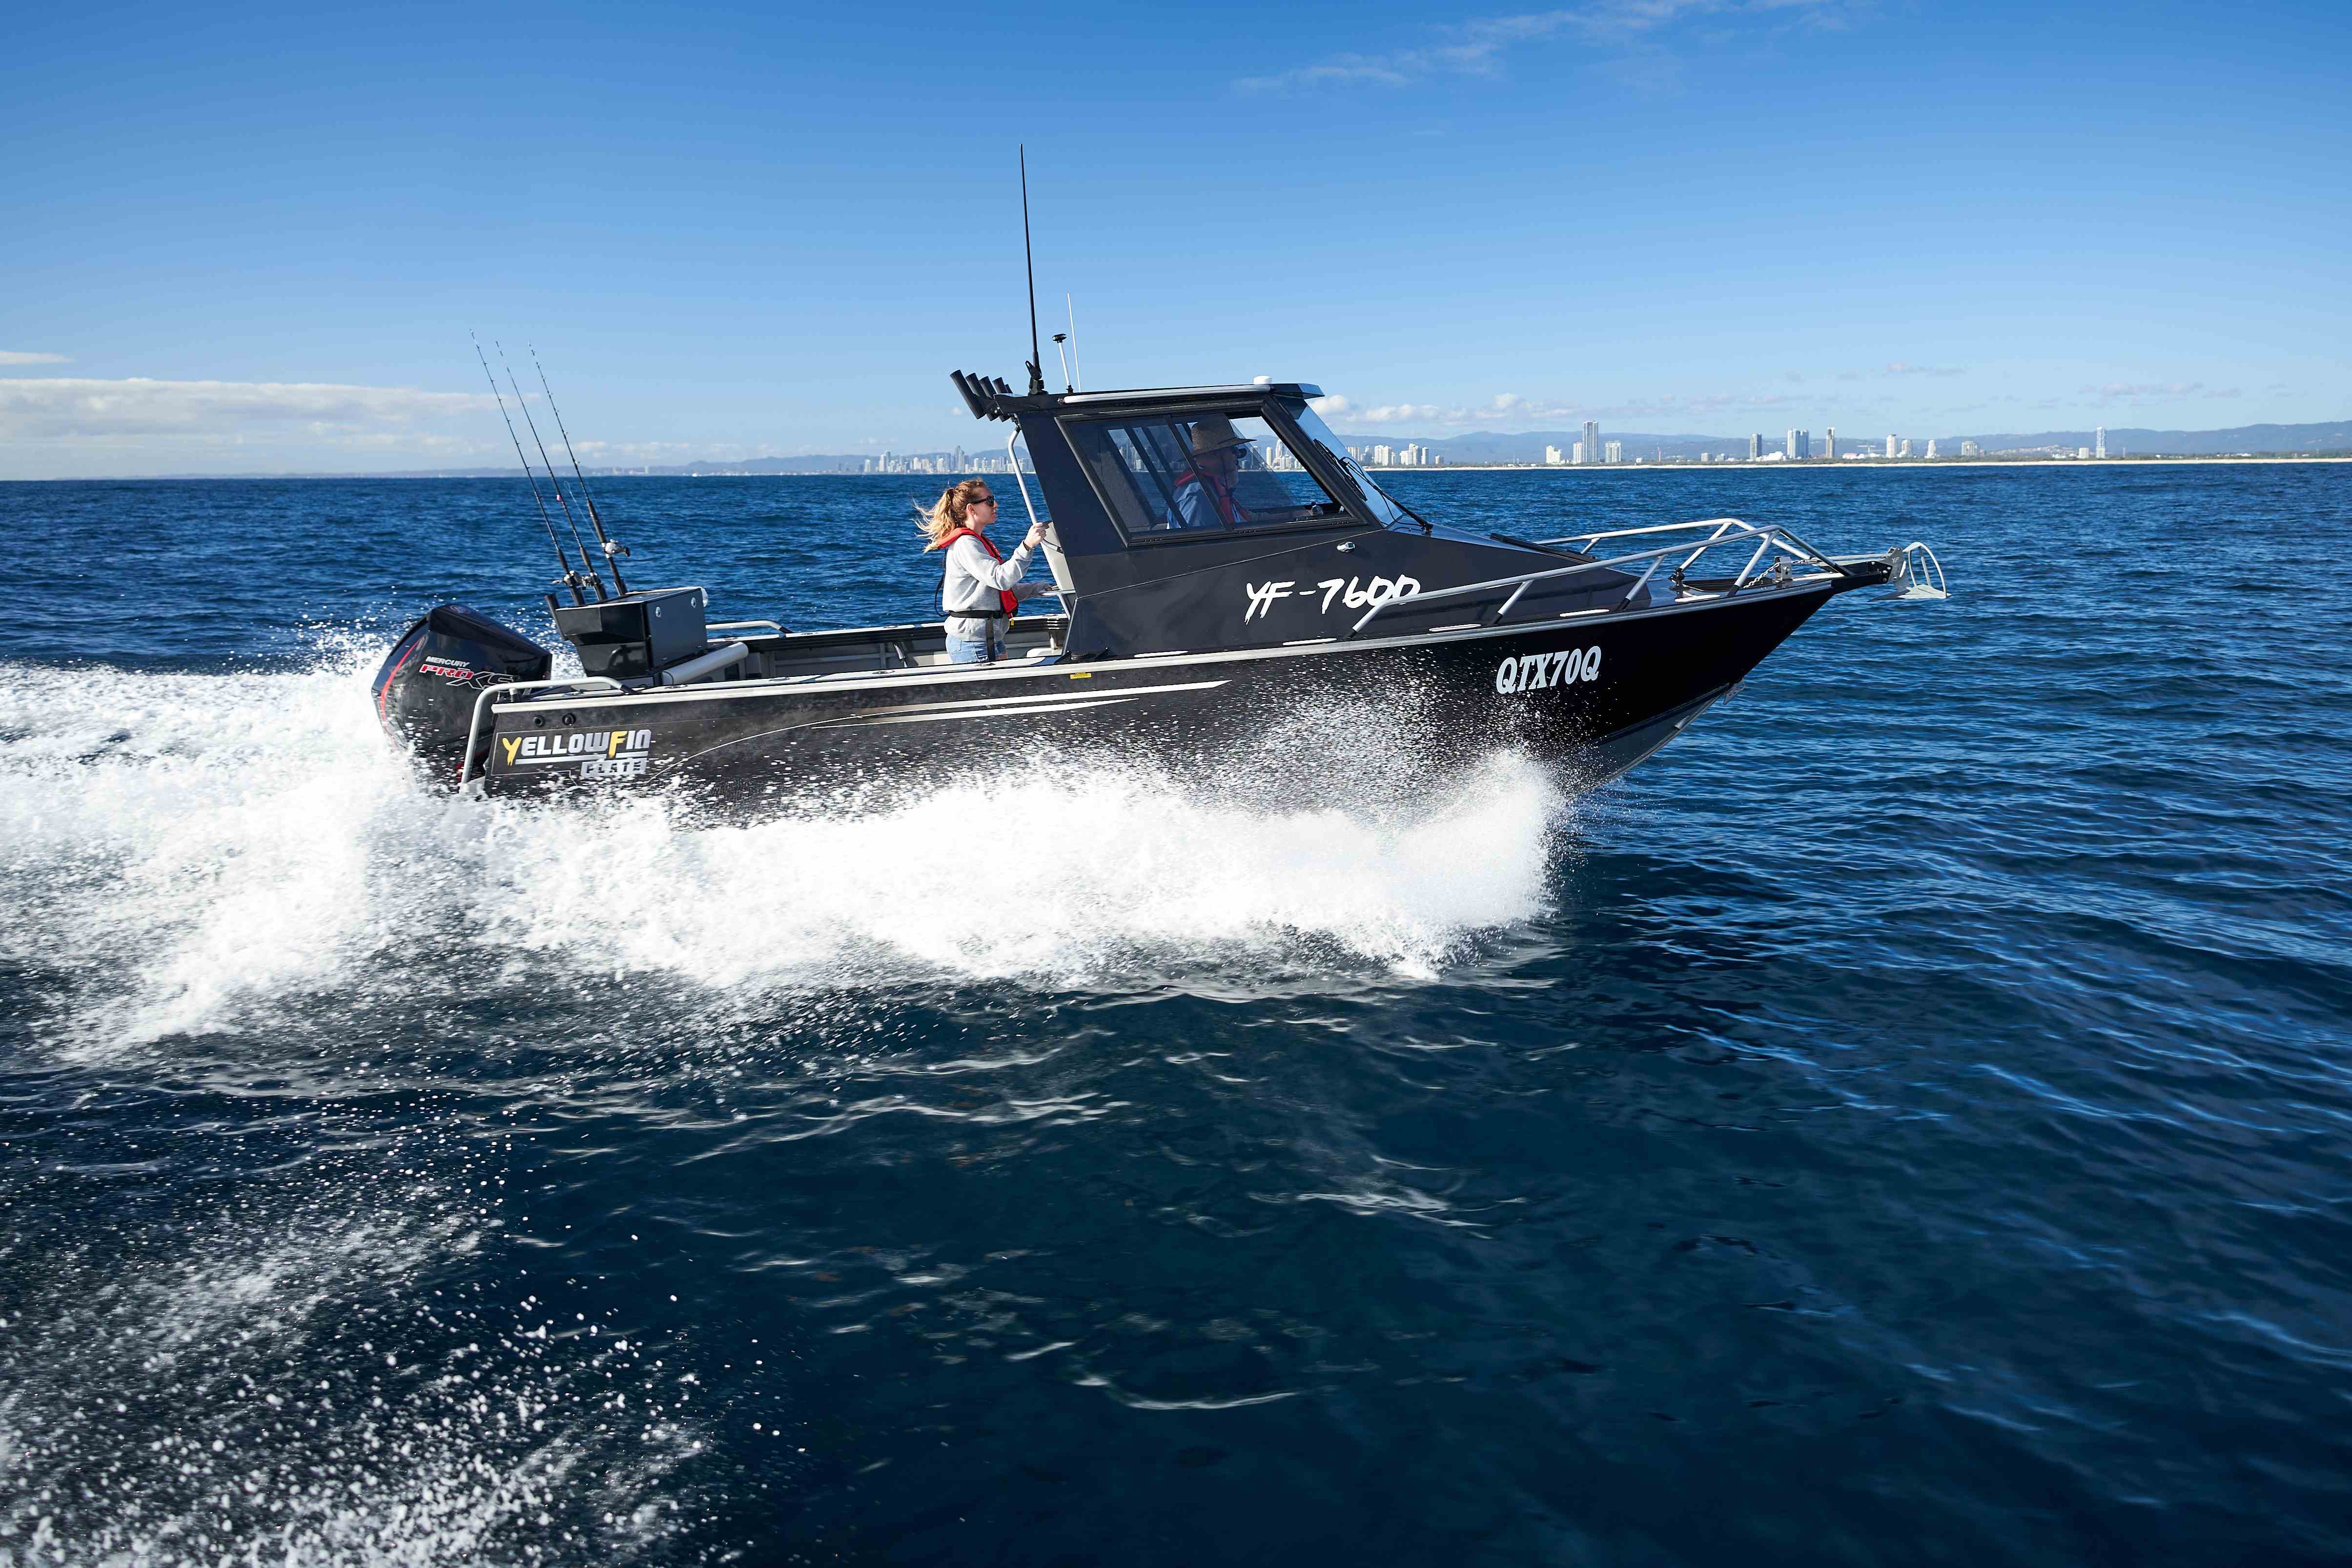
{"x":992,"y":399}
{"x":1163,"y":394}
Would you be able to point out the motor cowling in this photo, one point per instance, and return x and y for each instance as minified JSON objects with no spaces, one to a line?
{"x":424,"y":694}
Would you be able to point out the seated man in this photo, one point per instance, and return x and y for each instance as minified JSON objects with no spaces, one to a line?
{"x":1205,"y":492}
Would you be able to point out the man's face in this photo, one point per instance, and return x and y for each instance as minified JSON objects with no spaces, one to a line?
{"x":1223,"y":464}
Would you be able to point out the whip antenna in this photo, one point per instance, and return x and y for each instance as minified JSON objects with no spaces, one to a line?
{"x":613,"y":552}
{"x":1078,"y":378}
{"x":570,"y":579}
{"x":570,"y":521}
{"x":1036,"y":368}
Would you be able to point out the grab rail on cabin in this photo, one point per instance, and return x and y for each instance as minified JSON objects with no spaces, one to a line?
{"x":1727,"y":531}
{"x":593,"y":683}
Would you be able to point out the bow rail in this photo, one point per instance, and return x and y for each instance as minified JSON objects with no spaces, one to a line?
{"x":1724,"y":531}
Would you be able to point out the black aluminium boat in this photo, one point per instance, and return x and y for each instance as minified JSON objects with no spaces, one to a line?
{"x":1205,"y":603}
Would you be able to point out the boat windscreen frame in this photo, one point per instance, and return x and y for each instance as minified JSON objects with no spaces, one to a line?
{"x":1303,"y":450}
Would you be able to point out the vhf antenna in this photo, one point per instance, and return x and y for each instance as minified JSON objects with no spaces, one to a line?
{"x":613,"y":552}
{"x":1077,"y":380}
{"x":1036,"y":369}
{"x":570,"y":579}
{"x":570,"y":521}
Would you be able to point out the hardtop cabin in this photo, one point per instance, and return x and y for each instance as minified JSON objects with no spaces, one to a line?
{"x":1160,"y":547}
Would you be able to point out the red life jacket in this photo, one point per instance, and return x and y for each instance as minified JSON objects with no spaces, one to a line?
{"x":1005,"y":598}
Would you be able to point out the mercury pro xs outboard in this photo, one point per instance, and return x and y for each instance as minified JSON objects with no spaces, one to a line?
{"x":1224,"y":565}
{"x":426,"y":692}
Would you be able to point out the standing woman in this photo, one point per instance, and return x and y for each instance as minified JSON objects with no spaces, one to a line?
{"x":982,"y":587}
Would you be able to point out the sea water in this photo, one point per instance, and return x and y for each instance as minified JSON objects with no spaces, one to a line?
{"x":1905,"y":1120}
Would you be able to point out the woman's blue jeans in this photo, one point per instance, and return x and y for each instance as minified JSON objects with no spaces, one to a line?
{"x":969,"y":651}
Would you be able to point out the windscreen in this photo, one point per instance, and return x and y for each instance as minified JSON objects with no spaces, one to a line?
{"x":1197,"y":472}
{"x":1385,"y":512}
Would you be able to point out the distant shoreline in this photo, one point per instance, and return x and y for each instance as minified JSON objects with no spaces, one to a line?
{"x":1838,"y":463}
{"x":1812,"y":465}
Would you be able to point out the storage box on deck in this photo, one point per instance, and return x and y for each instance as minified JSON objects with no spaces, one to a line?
{"x":636,"y":635}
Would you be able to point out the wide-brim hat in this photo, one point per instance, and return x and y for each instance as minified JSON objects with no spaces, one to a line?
{"x":1215,"y":433}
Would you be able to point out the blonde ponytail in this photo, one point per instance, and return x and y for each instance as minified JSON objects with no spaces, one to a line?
{"x":952,"y":511}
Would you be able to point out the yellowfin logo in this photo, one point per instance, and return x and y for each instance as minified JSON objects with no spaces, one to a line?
{"x":606,"y":749}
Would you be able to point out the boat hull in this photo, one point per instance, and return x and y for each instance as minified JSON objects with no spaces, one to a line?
{"x":1592,"y":695}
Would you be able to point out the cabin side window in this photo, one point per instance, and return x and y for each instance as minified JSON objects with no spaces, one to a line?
{"x":1192,"y":473}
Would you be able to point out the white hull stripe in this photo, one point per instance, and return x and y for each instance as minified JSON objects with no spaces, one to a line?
{"x":985,"y":713}
{"x":1027,"y":701}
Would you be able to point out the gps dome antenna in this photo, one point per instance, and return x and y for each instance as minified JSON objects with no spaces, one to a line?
{"x":1037,"y":357}
{"x":613,"y":552}
{"x":569,"y":521}
{"x":570,"y":579}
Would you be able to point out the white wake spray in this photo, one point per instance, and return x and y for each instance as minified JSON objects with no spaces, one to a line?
{"x":200,"y":845}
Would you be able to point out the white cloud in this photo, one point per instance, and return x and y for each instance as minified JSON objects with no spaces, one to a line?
{"x":1904,"y":368}
{"x":73,"y":408}
{"x":1535,"y":413}
{"x":21,"y":356}
{"x":2155,"y":392}
{"x":1477,"y":48}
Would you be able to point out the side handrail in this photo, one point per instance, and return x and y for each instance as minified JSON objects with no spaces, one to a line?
{"x":777,"y":627}
{"x":1652,"y":528}
{"x":1767,"y":536}
{"x":1013,"y":461}
{"x":1718,"y":524}
{"x":466,"y":764}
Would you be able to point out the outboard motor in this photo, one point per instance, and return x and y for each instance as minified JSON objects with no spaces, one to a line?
{"x":424,"y":694}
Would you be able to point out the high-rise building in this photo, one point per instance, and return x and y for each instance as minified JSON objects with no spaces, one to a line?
{"x":2082,"y":452}
{"x":1906,"y":452}
{"x":1591,"y":441}
{"x":1613,"y":451}
{"x":1828,"y":442}
{"x":1971,"y":449}
{"x":1380,"y":456}
{"x":1576,"y":452}
{"x":1551,"y":456}
{"x":1890,"y":446}
{"x":1931,"y":449}
{"x":1755,"y":447}
{"x":2099,"y":442}
{"x":1800,"y":445}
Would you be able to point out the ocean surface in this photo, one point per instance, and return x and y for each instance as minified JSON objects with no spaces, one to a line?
{"x":1905,"y":1121}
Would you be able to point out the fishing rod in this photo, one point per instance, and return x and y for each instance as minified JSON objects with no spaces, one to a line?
{"x":613,"y":552}
{"x":570,"y":579}
{"x":570,"y":521}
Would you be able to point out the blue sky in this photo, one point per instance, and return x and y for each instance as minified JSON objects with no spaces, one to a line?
{"x":258,"y":240}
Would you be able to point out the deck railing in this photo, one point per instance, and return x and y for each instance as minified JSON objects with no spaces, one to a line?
{"x":1724,"y":531}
